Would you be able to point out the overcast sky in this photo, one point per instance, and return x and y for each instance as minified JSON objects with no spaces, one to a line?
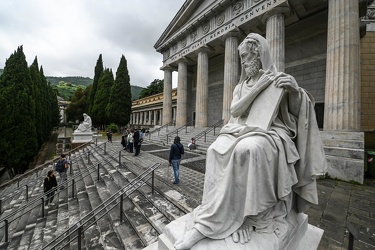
{"x":67,"y":36}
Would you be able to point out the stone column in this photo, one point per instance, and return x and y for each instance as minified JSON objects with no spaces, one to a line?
{"x":343,"y":80}
{"x":275,"y":36}
{"x":161,"y":117}
{"x":181,"y":116}
{"x":231,"y":72}
{"x":167,"y":95}
{"x":155,"y":117}
{"x":149,"y":117}
{"x":202,"y":88}
{"x":141,"y":118}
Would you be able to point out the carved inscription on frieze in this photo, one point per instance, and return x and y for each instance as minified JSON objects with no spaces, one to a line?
{"x":240,"y":15}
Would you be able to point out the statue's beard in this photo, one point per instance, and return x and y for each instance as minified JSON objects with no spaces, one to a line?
{"x":252,"y":67}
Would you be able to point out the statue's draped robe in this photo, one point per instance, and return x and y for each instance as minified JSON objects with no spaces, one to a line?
{"x":253,"y":173}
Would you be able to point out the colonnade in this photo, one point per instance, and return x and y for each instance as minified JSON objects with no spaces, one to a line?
{"x":342,"y":98}
{"x":150,"y":117}
{"x":275,"y":23}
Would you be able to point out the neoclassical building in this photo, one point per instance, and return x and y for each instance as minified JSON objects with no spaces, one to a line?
{"x":148,"y":112}
{"x":327,"y":45}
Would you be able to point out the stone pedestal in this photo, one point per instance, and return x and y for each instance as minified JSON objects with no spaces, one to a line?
{"x":301,"y":236}
{"x":82,"y":137}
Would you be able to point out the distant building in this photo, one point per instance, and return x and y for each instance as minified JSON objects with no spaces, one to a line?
{"x":148,"y":111}
{"x":62,"y":106}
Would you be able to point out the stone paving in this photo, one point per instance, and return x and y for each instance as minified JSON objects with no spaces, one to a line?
{"x":340,"y":203}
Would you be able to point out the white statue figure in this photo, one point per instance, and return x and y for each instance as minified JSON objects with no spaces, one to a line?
{"x":85,"y":125}
{"x":256,"y":177}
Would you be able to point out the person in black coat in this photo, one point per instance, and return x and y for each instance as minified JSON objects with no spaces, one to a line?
{"x":177,"y":149}
{"x":50,"y":185}
{"x":136,"y":141}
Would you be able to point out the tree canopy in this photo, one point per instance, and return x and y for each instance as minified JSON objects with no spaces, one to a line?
{"x":29,"y":112}
{"x":120,"y":102}
{"x":155,"y":87}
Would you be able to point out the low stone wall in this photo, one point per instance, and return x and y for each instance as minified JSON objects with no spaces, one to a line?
{"x":345,"y":153}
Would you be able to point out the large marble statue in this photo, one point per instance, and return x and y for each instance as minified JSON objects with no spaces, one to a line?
{"x":257,"y":176}
{"x":85,"y":126}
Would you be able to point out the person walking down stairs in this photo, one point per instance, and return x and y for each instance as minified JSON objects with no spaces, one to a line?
{"x":49,"y":187}
{"x":177,"y":150}
{"x":62,"y":168}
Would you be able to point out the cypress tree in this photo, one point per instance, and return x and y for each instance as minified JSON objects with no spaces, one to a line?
{"x":98,"y":73}
{"x":102,"y":96}
{"x":37,"y":87}
{"x":119,"y":106}
{"x":18,"y":138}
{"x":78,"y":104}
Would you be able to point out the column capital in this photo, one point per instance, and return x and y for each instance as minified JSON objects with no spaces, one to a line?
{"x":283,"y":9}
{"x":205,"y":48}
{"x":168,"y":67}
{"x":238,"y":33}
{"x":185,"y":60}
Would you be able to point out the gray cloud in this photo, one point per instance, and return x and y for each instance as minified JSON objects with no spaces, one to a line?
{"x":68,"y":36}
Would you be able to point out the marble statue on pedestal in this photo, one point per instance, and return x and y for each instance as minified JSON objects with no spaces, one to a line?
{"x":260,"y":171}
{"x":83,"y":133}
{"x":85,"y":125}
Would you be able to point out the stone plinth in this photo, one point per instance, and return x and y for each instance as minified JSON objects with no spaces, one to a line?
{"x":300,"y":236}
{"x":82,"y":137}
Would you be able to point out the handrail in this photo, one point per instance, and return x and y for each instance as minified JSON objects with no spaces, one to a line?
{"x":81,"y":175}
{"x":209,"y":129}
{"x":35,"y":181}
{"x":42,"y":166}
{"x":77,"y":229}
{"x":179,"y":129}
{"x":32,"y":202}
{"x":160,"y":128}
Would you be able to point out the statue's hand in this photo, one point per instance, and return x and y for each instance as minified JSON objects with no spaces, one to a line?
{"x":266,"y":78}
{"x":286,"y":81}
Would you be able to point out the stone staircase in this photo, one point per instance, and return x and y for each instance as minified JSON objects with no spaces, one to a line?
{"x":144,"y":213}
{"x":186,"y":134}
{"x":345,"y":154}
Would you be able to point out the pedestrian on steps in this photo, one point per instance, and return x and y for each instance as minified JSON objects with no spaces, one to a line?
{"x":49,"y":187}
{"x":177,"y":150}
{"x":62,"y":168}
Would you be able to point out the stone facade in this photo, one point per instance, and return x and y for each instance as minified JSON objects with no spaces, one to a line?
{"x":331,"y":55}
{"x":368,"y":81}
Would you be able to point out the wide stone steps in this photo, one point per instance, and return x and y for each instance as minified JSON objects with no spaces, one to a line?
{"x":185,"y":136}
{"x":345,"y":154}
{"x":145,"y":214}
{"x":23,"y":215}
{"x":140,"y":212}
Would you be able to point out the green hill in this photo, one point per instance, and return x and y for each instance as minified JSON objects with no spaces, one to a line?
{"x":76,"y":80}
{"x":66,"y":86}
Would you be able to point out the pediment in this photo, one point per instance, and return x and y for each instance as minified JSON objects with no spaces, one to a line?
{"x":190,"y":14}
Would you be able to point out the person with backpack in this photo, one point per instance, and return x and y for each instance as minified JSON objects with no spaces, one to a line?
{"x":49,"y":187}
{"x":177,"y":150}
{"x":62,"y":167}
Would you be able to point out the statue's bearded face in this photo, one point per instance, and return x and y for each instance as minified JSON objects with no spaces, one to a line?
{"x":249,"y":54}
{"x":252,"y":67}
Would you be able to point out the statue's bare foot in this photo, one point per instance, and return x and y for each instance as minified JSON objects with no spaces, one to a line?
{"x":189,"y":239}
{"x":243,"y":234}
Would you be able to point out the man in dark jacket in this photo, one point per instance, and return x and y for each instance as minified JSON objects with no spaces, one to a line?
{"x":177,"y":149}
{"x":136,"y":141}
{"x":49,"y":186}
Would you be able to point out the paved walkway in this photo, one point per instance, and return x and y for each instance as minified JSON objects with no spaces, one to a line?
{"x":340,"y":203}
